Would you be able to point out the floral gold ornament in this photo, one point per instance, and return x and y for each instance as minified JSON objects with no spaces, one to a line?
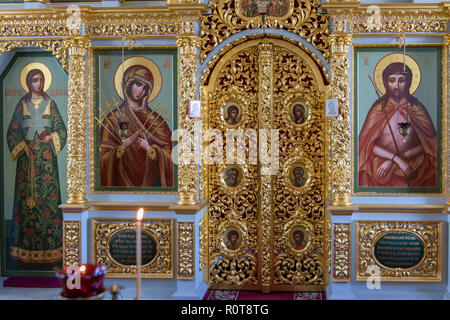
{"x":185,"y":252}
{"x":265,"y":207}
{"x":341,"y":133}
{"x":371,"y":234}
{"x":72,"y":243}
{"x":159,"y":237}
{"x":301,"y":16}
{"x":342,"y":252}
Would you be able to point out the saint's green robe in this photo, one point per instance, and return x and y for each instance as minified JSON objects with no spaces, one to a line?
{"x":37,"y":220}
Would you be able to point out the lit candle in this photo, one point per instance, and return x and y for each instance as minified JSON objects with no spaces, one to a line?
{"x":139,"y":216}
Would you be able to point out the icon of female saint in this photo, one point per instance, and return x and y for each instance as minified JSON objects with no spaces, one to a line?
{"x":36,"y":135}
{"x":139,"y":156}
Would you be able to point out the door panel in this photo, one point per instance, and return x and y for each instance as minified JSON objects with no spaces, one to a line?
{"x":267,"y":214}
{"x":234,"y":206}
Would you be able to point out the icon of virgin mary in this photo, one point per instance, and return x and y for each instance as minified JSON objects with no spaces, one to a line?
{"x":140,"y":157}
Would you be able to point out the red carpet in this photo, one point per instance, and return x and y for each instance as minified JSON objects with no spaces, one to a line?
{"x":255,"y":295}
{"x":24,"y":282}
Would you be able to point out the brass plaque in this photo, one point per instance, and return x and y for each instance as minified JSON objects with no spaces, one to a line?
{"x":399,"y":250}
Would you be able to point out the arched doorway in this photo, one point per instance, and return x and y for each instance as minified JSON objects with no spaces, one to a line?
{"x":266,"y":220}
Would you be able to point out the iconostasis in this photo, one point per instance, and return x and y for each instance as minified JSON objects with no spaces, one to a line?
{"x":97,"y":121}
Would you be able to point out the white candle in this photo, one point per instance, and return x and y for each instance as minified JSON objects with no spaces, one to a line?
{"x":139,"y":217}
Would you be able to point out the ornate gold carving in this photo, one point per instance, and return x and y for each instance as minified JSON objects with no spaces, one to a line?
{"x":76,"y":138}
{"x":71,"y":243}
{"x":265,"y":112}
{"x":133,"y":29}
{"x":224,"y":22}
{"x":446,"y":96}
{"x":185,"y":250}
{"x":248,"y":70}
{"x":47,"y":23}
{"x":57,"y":47}
{"x":341,"y":252}
{"x":236,"y":77}
{"x":390,"y":18}
{"x":161,"y":229}
{"x":401,"y":25}
{"x":341,"y":125}
{"x":203,"y":187}
{"x":429,"y":232}
{"x":142,"y":22}
{"x":203,"y":240}
{"x":187,"y":173}
{"x":295,"y":79}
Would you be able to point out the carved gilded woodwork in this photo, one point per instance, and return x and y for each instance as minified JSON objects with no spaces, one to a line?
{"x":446,"y":84}
{"x":376,"y":19}
{"x":161,"y":266}
{"x":71,"y":243}
{"x":256,"y":206}
{"x":224,"y":21}
{"x":341,"y":125}
{"x":187,"y":172}
{"x":44,"y":23}
{"x":203,"y":241}
{"x":302,"y":144}
{"x":239,"y":78}
{"x":341,"y":252}
{"x":57,"y":47}
{"x":203,"y":186}
{"x":185,"y":250}
{"x":265,"y":112}
{"x":429,"y":233}
{"x":76,"y":138}
{"x":169,"y":21}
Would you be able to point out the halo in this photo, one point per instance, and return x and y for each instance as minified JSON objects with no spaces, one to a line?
{"x":142,"y":61}
{"x":35,"y":65}
{"x":229,"y":104}
{"x":397,"y":57}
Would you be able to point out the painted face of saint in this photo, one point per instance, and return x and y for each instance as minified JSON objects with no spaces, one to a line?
{"x":298,"y":173}
{"x":298,"y":237}
{"x":233,"y":175}
{"x":298,"y":114}
{"x":233,"y":113}
{"x":37,"y":83}
{"x":138,"y":90}
{"x":396,"y":85}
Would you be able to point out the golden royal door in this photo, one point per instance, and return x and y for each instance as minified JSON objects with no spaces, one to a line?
{"x":266,"y":223}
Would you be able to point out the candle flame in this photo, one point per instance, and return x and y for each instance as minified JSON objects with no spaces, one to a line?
{"x":140,"y":214}
{"x":83,"y":268}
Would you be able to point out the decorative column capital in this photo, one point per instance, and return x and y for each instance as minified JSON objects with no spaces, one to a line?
{"x":340,"y":42}
{"x":188,"y":45}
{"x":77,"y":45}
{"x":447,"y":40}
